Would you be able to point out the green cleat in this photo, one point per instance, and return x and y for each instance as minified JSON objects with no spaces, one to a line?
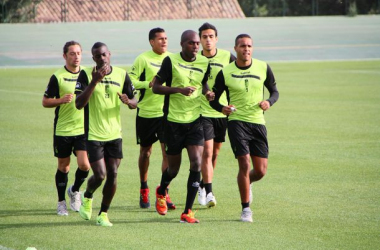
{"x":102,"y":220}
{"x":85,"y":209}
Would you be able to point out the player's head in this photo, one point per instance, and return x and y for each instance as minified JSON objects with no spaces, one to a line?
{"x":189,"y":44}
{"x":243,"y":47}
{"x":72,"y":53}
{"x":100,"y":54}
{"x":158,"y":40}
{"x":209,"y":36}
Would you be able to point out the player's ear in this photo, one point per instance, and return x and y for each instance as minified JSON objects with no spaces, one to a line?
{"x":64,"y":56}
{"x":151,"y":42}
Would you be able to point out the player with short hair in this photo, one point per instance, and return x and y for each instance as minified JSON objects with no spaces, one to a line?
{"x":244,"y":82}
{"x":185,"y":75}
{"x":68,"y":127}
{"x":101,"y":90}
{"x":214,"y":123}
{"x":149,"y":118}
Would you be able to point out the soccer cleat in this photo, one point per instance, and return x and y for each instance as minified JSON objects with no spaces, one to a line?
{"x":74,"y":199}
{"x":102,"y":220}
{"x":201,"y":196}
{"x":250,"y":194}
{"x":188,"y":218}
{"x":246,"y":215}
{"x":210,"y":200}
{"x":85,"y":210}
{"x":161,"y":206}
{"x":169,"y":202}
{"x":62,"y":209}
{"x":144,"y":198}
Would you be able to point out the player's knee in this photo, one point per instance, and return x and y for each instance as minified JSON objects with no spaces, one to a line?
{"x":84,"y":166}
{"x":112,"y":176}
{"x":172,"y":172}
{"x":145,"y":152}
{"x":195,"y":165}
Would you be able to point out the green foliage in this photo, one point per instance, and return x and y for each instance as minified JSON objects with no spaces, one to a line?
{"x":352,"y":10}
{"x":320,"y":192}
{"x":18,"y":11}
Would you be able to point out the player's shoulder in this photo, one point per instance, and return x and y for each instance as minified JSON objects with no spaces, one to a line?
{"x":118,"y":70}
{"x":224,"y":52}
{"x":259,"y":63}
{"x":60,"y":71}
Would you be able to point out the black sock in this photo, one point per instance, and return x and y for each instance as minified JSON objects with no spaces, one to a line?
{"x":144,"y":185}
{"x":104,"y":208}
{"x":165,"y":181}
{"x":80,"y":177}
{"x":208,"y":188}
{"x":201,"y":184}
{"x":192,"y":188}
{"x":87,"y":194}
{"x":244,"y":205}
{"x":61,"y":184}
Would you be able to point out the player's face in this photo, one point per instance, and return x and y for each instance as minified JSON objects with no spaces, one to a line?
{"x":73,"y":56}
{"x":159,"y":43}
{"x":101,"y":56}
{"x":244,"y":49}
{"x":190,"y":46}
{"x":208,"y":39}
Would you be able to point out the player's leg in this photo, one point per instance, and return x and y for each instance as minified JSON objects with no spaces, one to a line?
{"x":244,"y":186}
{"x":206,"y":197}
{"x":215,"y":153}
{"x":61,"y":179}
{"x":164,"y":166}
{"x":144,"y":157}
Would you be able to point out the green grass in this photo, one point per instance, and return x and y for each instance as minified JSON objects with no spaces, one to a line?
{"x":321,"y":191}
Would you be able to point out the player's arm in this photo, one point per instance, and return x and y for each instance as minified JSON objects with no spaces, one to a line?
{"x":137,"y":70}
{"x":50,"y":98}
{"x":128,"y":93}
{"x":205,"y":88}
{"x":85,"y":90}
{"x":165,"y":75}
{"x":219,"y":88}
{"x":270,"y":84}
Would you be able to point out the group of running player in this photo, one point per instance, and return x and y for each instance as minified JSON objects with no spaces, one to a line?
{"x":186,"y":100}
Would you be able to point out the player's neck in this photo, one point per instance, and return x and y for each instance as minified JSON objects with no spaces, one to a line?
{"x":73,"y":69}
{"x":242,"y":64}
{"x":209,"y":53}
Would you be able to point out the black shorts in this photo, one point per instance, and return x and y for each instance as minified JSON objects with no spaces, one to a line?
{"x":214,"y":128}
{"x":181,"y":135}
{"x":248,"y":138}
{"x":64,"y":145}
{"x":104,"y":149}
{"x":149,"y":130}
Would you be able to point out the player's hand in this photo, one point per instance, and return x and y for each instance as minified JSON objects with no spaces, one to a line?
{"x":264,"y":105}
{"x":98,"y":75}
{"x":210,"y":96}
{"x":67,"y":98}
{"x":124,"y":98}
{"x":227,"y":110}
{"x":188,"y":90}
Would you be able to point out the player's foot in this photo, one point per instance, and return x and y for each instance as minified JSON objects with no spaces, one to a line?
{"x":169,"y":202}
{"x":210,"y":200}
{"x":102,"y":220}
{"x":85,"y":210}
{"x":250,"y":194}
{"x":144,"y":198}
{"x":202,"y":196}
{"x":62,"y":209}
{"x":161,"y":206}
{"x":246,"y":215}
{"x":189,"y":217}
{"x":74,"y":199}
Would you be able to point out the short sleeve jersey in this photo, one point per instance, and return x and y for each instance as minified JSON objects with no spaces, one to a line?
{"x":221,"y":59}
{"x":68,"y":121}
{"x":245,"y":88}
{"x":177,"y":72}
{"x":102,"y":112}
{"x":143,"y":70}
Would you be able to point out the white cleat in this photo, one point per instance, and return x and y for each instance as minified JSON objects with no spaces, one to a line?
{"x":75,"y":200}
{"x":210,"y":200}
{"x":201,"y":196}
{"x":246,"y":215}
{"x":62,"y":209}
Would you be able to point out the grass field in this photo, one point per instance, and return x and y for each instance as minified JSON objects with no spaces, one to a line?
{"x":321,"y":191}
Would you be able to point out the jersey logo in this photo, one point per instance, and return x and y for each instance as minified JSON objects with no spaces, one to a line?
{"x":191,"y":68}
{"x":78,"y":85}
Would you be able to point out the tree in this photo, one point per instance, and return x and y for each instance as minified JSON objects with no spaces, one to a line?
{"x":17,"y":11}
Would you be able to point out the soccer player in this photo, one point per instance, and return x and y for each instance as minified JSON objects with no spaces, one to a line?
{"x":244,"y":82}
{"x":185,"y":75}
{"x":214,"y":123}
{"x":68,"y":127}
{"x":149,"y":118}
{"x":101,"y":90}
